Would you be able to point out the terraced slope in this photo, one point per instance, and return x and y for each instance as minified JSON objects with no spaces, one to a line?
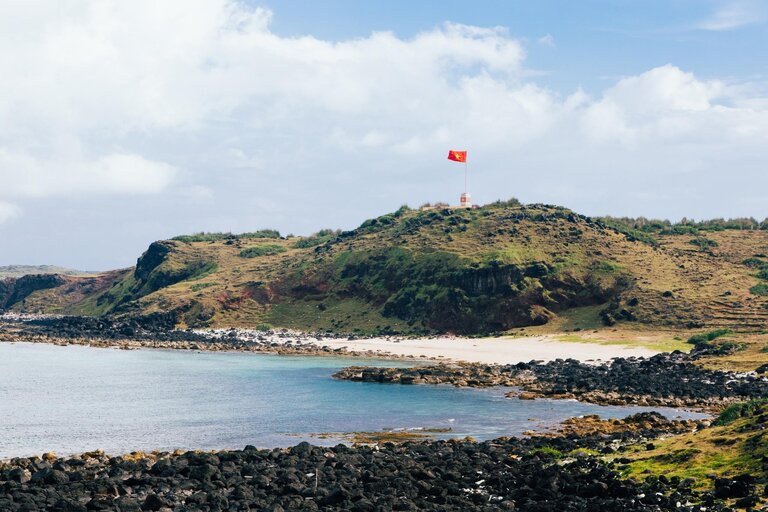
{"x":440,"y":270}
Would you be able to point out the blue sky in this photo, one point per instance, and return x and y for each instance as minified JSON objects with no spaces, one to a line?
{"x":126,"y":122}
{"x":596,"y":41}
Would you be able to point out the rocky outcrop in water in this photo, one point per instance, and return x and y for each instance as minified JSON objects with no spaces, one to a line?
{"x":662,"y":380}
{"x":643,"y":425}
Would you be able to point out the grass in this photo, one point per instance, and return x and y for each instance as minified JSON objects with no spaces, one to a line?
{"x":751,"y":356}
{"x":735,"y":447}
{"x":262,"y":250}
{"x":548,"y":451}
{"x":580,"y":260}
{"x":347,"y":316}
{"x":737,"y":411}
{"x":660,"y":342}
{"x":515,"y":253}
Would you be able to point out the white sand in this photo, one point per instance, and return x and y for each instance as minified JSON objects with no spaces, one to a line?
{"x":492,"y":350}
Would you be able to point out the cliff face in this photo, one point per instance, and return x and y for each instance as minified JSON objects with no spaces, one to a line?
{"x":163,"y":265}
{"x":16,"y":290}
{"x":440,"y":291}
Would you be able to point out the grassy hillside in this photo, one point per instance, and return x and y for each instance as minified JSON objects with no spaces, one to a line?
{"x":443,"y":270}
{"x":733,"y":446}
{"x":17,"y":271}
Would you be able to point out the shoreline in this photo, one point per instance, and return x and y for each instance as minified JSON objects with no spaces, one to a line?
{"x":537,"y":366}
{"x":431,"y":475}
{"x":444,"y":349}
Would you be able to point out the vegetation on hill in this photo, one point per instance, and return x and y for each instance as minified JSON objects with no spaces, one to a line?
{"x":27,"y":270}
{"x":685,"y":226}
{"x":735,"y":445}
{"x":321,"y":237}
{"x":262,"y":250}
{"x":217,"y":237}
{"x":441,"y":269}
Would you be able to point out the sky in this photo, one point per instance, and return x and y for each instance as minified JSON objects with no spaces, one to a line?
{"x":122,"y":123}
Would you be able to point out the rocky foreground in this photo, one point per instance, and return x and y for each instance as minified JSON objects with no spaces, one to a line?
{"x":669,"y":380}
{"x":537,"y":474}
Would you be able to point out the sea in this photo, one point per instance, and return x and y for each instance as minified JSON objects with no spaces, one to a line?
{"x":72,"y":399}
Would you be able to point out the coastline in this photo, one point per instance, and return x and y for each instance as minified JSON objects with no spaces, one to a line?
{"x":505,"y":350}
{"x":447,"y":349}
{"x":560,"y":372}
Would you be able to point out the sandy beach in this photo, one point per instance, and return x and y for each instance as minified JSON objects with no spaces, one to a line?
{"x":491,"y":350}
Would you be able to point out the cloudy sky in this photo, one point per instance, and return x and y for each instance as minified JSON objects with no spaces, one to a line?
{"x":126,"y":122}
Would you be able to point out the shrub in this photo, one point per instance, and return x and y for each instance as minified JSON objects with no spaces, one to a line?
{"x":628,"y":229}
{"x":511,"y":202}
{"x":703,"y":243}
{"x":548,"y":451}
{"x":685,"y":226}
{"x":759,"y":289}
{"x":318,"y":238}
{"x":708,"y":336}
{"x":739,"y":410}
{"x":216,"y":237}
{"x":754,"y":262}
{"x":262,"y":250}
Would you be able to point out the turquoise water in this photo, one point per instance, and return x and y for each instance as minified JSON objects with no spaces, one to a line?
{"x":74,"y":399}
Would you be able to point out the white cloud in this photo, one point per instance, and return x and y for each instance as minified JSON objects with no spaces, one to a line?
{"x":214,"y":110}
{"x":547,"y":40}
{"x":735,"y":14}
{"x":25,"y":176}
{"x":8,"y":211}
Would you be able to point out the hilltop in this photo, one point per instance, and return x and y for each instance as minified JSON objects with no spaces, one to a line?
{"x":26,"y":270}
{"x":468,"y":271}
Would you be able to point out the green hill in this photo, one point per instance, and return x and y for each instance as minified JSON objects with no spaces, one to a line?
{"x":17,"y":271}
{"x":439,"y":270}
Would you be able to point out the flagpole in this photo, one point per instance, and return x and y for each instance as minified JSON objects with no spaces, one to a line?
{"x":465,"y":177}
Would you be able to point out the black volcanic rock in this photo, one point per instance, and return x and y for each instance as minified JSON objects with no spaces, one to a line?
{"x":504,"y":474}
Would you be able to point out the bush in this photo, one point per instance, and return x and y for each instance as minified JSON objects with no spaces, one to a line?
{"x":216,"y":237}
{"x":548,"y":451}
{"x":754,"y":262}
{"x":759,"y":289}
{"x":512,"y":202}
{"x":708,"y":336}
{"x":199,"y":286}
{"x":628,"y":229}
{"x":740,"y":410}
{"x":703,"y":243}
{"x":262,"y":250}
{"x":685,"y":226}
{"x":322,"y":236}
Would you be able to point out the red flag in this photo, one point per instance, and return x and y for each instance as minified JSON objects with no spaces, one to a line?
{"x":457,"y":156}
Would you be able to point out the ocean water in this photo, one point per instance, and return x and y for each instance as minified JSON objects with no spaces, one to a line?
{"x":74,"y":399}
